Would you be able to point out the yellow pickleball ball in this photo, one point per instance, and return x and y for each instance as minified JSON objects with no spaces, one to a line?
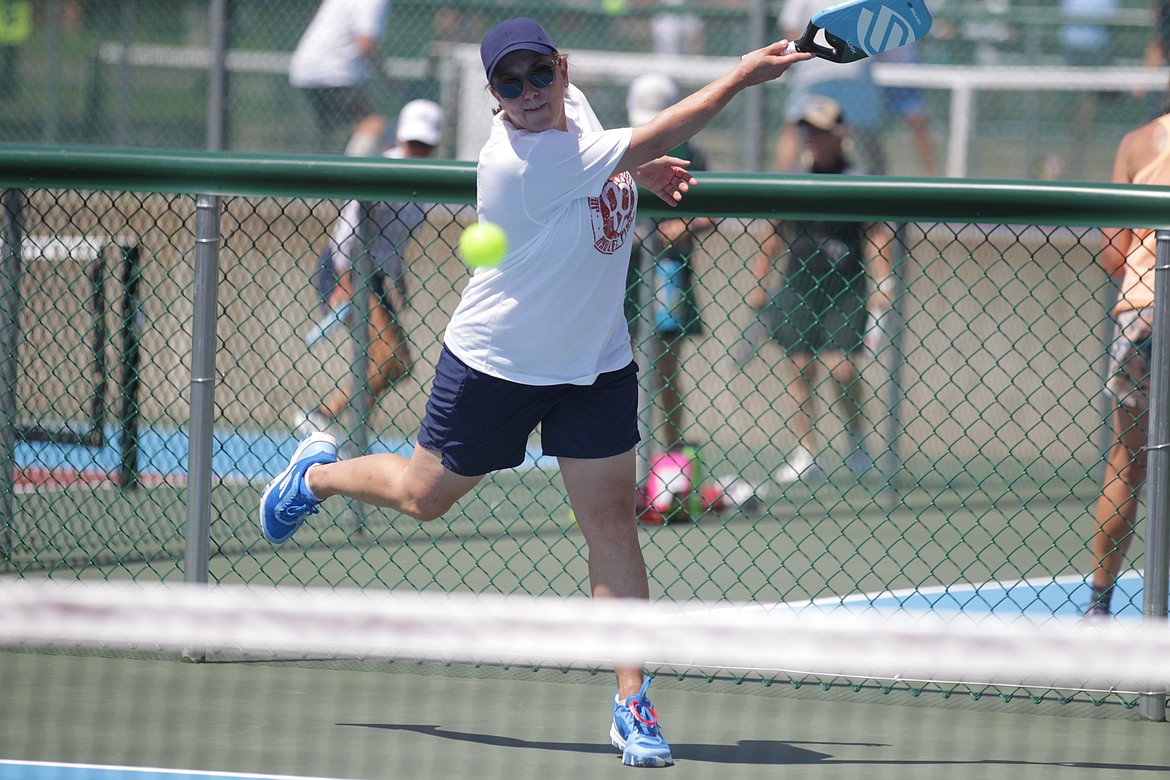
{"x":483,"y":245}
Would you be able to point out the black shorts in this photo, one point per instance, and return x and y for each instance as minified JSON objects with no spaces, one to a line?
{"x":480,"y":423}
{"x":808,"y":320}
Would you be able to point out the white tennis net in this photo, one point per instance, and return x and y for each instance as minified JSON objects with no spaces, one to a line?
{"x":576,"y":632}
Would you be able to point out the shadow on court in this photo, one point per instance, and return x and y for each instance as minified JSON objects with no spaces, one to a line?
{"x":746,"y":752}
{"x":752,"y":751}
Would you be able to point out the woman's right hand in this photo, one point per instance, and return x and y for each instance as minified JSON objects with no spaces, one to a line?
{"x":770,"y":62}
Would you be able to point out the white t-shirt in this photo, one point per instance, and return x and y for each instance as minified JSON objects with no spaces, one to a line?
{"x":551,"y":312}
{"x":328,"y":55}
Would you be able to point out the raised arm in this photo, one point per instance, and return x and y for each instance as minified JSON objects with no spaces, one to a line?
{"x":680,"y":122}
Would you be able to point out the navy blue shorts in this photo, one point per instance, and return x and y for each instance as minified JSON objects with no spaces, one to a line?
{"x":479,"y":423}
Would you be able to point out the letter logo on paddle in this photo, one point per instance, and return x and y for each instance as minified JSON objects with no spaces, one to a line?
{"x":885,"y":30}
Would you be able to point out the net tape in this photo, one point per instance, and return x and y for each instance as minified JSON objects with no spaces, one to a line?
{"x":579,"y":632}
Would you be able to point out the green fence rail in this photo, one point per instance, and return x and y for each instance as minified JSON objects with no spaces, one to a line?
{"x":1008,"y":202}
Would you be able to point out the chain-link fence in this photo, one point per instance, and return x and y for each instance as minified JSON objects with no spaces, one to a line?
{"x":1007,"y":90}
{"x":980,"y":403}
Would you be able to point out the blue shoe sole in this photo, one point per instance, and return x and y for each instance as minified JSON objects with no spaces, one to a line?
{"x":619,"y":744}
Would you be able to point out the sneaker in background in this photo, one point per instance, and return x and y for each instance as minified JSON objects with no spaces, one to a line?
{"x":286,"y":501}
{"x":635,"y":731}
{"x":800,"y":468}
{"x":1097,"y":612}
{"x":858,"y":460}
{"x":308,"y":422}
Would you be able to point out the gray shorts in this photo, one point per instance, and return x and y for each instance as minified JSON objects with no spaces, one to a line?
{"x":1130,"y":355}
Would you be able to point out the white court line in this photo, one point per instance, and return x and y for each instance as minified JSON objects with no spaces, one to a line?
{"x":148,"y":770}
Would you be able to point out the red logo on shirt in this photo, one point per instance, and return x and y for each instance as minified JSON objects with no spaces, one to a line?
{"x":613,"y":212}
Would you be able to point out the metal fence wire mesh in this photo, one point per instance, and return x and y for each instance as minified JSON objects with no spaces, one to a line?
{"x":981,"y":409}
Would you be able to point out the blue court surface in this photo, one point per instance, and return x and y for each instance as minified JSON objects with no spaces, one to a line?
{"x":1047,"y":597}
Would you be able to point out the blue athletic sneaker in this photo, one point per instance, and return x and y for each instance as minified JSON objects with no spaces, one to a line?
{"x":635,"y":731}
{"x":287,"y":501}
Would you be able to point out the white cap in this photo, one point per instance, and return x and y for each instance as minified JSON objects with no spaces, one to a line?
{"x":420,"y":120}
{"x":649,"y":94}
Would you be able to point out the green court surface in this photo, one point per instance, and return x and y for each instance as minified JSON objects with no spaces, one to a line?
{"x":380,"y":720}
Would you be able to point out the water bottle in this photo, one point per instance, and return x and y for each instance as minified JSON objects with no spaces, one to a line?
{"x":669,"y":294}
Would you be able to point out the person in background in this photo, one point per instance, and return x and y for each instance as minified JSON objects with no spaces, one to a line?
{"x":1143,"y":157}
{"x":662,"y":267}
{"x":850,"y":84}
{"x":819,"y":315}
{"x":541,"y":339}
{"x":332,"y":64}
{"x":417,"y":134}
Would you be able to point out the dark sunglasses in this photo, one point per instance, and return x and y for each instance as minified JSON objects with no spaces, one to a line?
{"x":540,"y":77}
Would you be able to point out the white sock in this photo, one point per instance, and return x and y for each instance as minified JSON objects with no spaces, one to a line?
{"x":305,"y":483}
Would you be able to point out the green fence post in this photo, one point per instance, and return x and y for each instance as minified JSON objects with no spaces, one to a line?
{"x":130,"y":381}
{"x":13,"y":235}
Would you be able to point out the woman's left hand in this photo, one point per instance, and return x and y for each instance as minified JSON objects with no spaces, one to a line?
{"x":666,"y":177}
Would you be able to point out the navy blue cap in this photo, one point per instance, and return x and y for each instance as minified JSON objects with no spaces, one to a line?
{"x":518,"y":34}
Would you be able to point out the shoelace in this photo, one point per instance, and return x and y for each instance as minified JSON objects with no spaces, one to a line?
{"x":645,"y":718}
{"x":296,"y":506}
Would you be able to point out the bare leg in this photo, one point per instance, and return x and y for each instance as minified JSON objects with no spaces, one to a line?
{"x":1125,"y":473}
{"x":420,"y":486}
{"x":844,"y":372}
{"x":390,"y":360}
{"x":368,"y":138}
{"x":601,"y":493}
{"x":801,"y":390}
